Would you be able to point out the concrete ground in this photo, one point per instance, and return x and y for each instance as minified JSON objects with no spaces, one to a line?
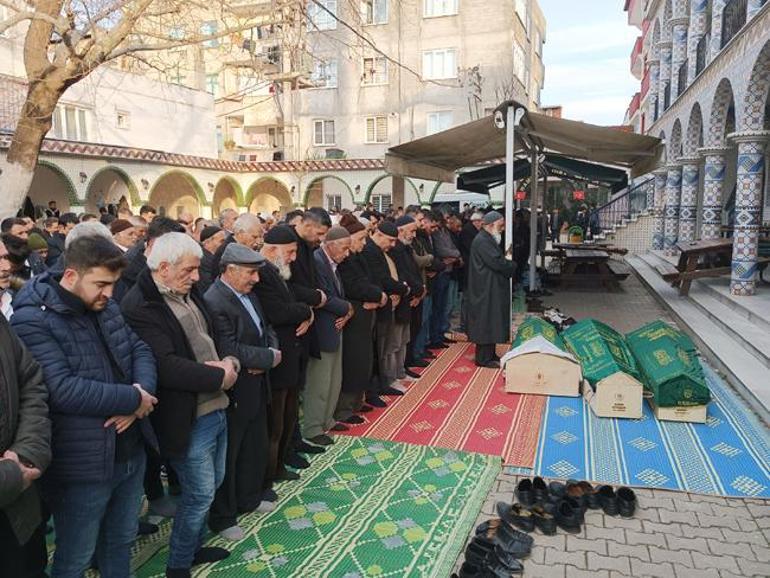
{"x":673,"y":534}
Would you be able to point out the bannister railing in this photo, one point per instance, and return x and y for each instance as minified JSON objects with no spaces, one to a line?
{"x":701,"y":52}
{"x":733,"y":19}
{"x":624,"y":205}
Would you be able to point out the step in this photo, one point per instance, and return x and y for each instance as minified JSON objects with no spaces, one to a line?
{"x":754,"y":308}
{"x":746,"y":373}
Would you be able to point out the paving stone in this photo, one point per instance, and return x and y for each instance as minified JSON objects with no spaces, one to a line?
{"x":628,"y":523}
{"x":660,"y":501}
{"x":759,"y":510}
{"x":762,"y":553}
{"x":727,"y":574}
{"x":573,"y":572}
{"x":682,"y":557}
{"x":716,"y":521}
{"x":597,"y":562}
{"x":670,"y":516}
{"x":709,"y":498}
{"x":753,"y":568}
{"x":703,"y":507}
{"x":649,"y":539}
{"x":616,"y":534}
{"x":543,"y":571}
{"x":749,"y":537}
{"x":619,"y":575}
{"x":684,"y":572}
{"x":659,"y":570}
{"x":649,"y":514}
{"x":575,"y":544}
{"x":639,"y":551}
{"x":653,"y":528}
{"x":732,"y":511}
{"x":643,"y":493}
{"x":763,"y":522}
{"x":557,"y":541}
{"x":559,"y":557}
{"x":718,"y":562}
{"x":697,"y":532}
{"x":731,"y":549}
{"x":748,"y":525}
{"x":691,"y":544}
{"x":537,"y":555}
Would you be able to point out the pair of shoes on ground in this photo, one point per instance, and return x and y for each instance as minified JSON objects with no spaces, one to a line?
{"x":495,"y":551}
{"x":620,"y":502}
{"x":558,"y":319}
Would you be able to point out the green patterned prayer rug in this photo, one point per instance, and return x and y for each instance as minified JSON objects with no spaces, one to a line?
{"x":364,"y":508}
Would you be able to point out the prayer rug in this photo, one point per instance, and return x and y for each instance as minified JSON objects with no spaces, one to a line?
{"x":729,"y":455}
{"x":364,"y":508}
{"x":459,"y":406}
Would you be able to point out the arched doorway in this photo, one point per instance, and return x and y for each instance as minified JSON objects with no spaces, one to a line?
{"x":328,"y":192}
{"x":267,"y":195}
{"x":50,"y":183}
{"x":388,"y":191}
{"x":108,"y":186}
{"x":177,"y":192}
{"x":227,"y":195}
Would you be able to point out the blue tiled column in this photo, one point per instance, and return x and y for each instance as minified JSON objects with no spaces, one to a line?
{"x":713,"y":191}
{"x":688,"y":203}
{"x":673,"y":192}
{"x":659,"y":208}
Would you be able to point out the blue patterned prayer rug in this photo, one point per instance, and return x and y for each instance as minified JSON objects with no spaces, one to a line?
{"x":729,"y":455}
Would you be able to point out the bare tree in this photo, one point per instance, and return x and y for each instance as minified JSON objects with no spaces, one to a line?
{"x":66,"y":40}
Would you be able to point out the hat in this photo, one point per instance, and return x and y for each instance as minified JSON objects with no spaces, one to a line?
{"x":404,"y":221}
{"x":280,"y":235}
{"x":492,"y":217}
{"x":388,"y":228}
{"x":36,"y":242}
{"x":477,"y":216}
{"x":336,"y":233}
{"x":119,"y":225}
{"x":209,"y":232}
{"x":237,"y":254}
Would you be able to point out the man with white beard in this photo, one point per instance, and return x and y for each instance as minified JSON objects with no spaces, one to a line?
{"x":290,"y":319}
{"x":489,"y":291}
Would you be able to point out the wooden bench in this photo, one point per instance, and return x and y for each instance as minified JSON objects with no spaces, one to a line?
{"x":619,"y":270}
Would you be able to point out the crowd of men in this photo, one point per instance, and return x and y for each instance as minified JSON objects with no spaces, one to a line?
{"x":198,"y":363}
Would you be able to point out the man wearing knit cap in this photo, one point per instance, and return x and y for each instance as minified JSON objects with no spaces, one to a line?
{"x":123,"y":234}
{"x":489,"y":291}
{"x":324,"y":375}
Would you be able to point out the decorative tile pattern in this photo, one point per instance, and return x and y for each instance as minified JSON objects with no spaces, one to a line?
{"x":713,"y":185}
{"x":658,"y":211}
{"x":673,"y":191}
{"x":689,"y":199}
{"x":563,"y":469}
{"x":726,"y":450}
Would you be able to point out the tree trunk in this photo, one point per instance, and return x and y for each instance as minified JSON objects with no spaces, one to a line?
{"x":34,"y":123}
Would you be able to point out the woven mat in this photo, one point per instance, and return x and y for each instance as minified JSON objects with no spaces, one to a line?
{"x":729,"y":455}
{"x":364,"y":508}
{"x":459,"y":406}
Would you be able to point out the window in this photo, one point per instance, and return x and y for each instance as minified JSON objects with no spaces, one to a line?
{"x":212,"y":84}
{"x":210,"y":29}
{"x":323,"y":132}
{"x":440,"y":8}
{"x":333,"y":202}
{"x":438,"y":121}
{"x":374,"y":11}
{"x":324,"y":73}
{"x":439,"y":64}
{"x":323,"y":17}
{"x":376,"y":129}
{"x":375,"y":70}
{"x":522,"y":12}
{"x":176,"y":33}
{"x":538,"y":43}
{"x":381,"y":203}
{"x":123,"y":119}
{"x":275,"y":137}
{"x":520,"y":68}
{"x":70,"y":123}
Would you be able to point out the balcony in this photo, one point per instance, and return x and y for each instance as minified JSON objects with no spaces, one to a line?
{"x":701,"y":53}
{"x":635,"y":12}
{"x":633,"y":108}
{"x":636,"y":58}
{"x":681,"y":83}
{"x":733,"y":19}
{"x":645,"y":83}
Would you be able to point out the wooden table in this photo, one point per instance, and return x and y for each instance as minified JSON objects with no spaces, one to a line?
{"x":588,"y":267}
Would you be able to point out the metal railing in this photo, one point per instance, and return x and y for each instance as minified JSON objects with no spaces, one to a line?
{"x":733,"y":19}
{"x":681,"y":83}
{"x":624,"y":205}
{"x":701,"y":52}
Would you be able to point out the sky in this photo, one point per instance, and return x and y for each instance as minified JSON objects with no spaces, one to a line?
{"x":587,"y":59}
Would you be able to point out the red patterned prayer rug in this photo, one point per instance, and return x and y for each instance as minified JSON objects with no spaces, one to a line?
{"x":459,"y":406}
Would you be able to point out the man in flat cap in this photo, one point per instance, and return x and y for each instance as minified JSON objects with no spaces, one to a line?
{"x":489,"y":291}
{"x":324,"y":375}
{"x":241,"y":331}
{"x":291,"y":319}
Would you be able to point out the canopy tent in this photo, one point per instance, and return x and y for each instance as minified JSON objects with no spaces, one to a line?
{"x":481,"y":180}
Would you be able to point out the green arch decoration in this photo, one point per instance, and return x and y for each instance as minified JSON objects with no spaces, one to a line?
{"x":381,"y":178}
{"x":434,"y":191}
{"x":136,"y":201}
{"x":72,"y":194}
{"x":189,"y":178}
{"x":239,"y":200}
{"x":322,"y":177}
{"x":249,"y":196}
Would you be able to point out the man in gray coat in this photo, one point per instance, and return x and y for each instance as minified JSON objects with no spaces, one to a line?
{"x":25,"y":452}
{"x":489,"y":291}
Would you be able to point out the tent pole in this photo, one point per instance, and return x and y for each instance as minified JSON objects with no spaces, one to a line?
{"x":533,"y":182}
{"x":509,"y":146}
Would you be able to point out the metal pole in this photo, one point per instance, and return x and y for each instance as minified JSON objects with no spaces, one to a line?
{"x":535,"y":162}
{"x":509,"y":146}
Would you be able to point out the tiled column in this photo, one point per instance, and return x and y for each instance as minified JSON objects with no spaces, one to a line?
{"x":752,"y":7}
{"x":748,"y":209}
{"x":664,"y":49}
{"x":658,"y":212}
{"x":654,"y":65}
{"x":713,"y":188}
{"x":673,"y":192}
{"x":688,"y":201}
{"x":716,"y":27}
{"x":678,"y":51}
{"x":698,"y":27}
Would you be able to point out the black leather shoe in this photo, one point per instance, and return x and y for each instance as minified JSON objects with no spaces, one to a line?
{"x":391,"y":391}
{"x":489,"y":364}
{"x":540,"y":490}
{"x":375,"y":401}
{"x":411,"y":373}
{"x":609,"y":500}
{"x":512,"y":547}
{"x":340,"y":427}
{"x":449,"y":340}
{"x":626,"y":501}
{"x":365,"y":409}
{"x":419,"y":363}
{"x":569,"y":518}
{"x":490,"y":555}
{"x":305,"y":448}
{"x":429,"y":355}
{"x":297,"y":461}
{"x":469,"y":570}
{"x":502,"y":530}
{"x":286,"y":476}
{"x":321,"y":440}
{"x":516,"y":515}
{"x":544,"y":521}
{"x":353,"y":419}
{"x":438,"y":346}
{"x":524,"y":493}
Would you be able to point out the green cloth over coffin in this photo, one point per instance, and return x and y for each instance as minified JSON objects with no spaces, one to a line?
{"x":669,"y":363}
{"x":535,"y":326}
{"x":601,"y":350}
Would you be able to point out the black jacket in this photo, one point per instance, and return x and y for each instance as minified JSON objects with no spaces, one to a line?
{"x":284,"y":313}
{"x":409,"y":273}
{"x":55,"y":248}
{"x":137,"y":263}
{"x":207,"y":271}
{"x":180,"y":377}
{"x":304,"y":284}
{"x":357,"y":280}
{"x":236,"y":335}
{"x":375,"y":259}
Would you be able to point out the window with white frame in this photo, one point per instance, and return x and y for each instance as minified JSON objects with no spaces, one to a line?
{"x":439,"y":63}
{"x":333,"y":202}
{"x":323,"y":132}
{"x":522,"y":9}
{"x":374,"y":11}
{"x":324,"y":73}
{"x":439,"y":120}
{"x":70,"y":122}
{"x":376,"y":129}
{"x":322,"y":15}
{"x":209,"y":28}
{"x":375,"y":70}
{"x":123,"y":119}
{"x":212,"y":84}
{"x":439,"y":8}
{"x":381,"y":203}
